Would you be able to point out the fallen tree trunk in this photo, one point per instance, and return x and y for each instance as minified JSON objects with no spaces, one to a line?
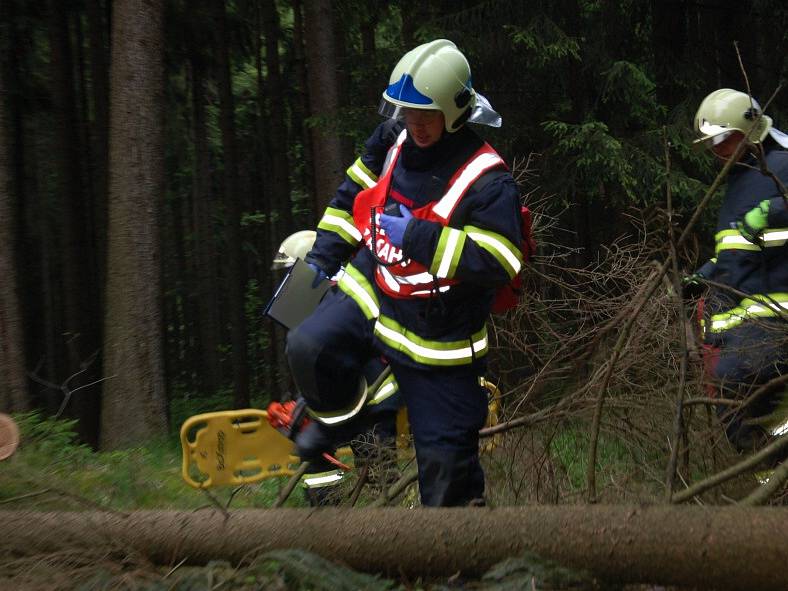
{"x":723,"y":548}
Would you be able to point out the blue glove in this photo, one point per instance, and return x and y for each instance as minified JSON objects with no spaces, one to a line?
{"x":320,"y":275}
{"x":395,"y":226}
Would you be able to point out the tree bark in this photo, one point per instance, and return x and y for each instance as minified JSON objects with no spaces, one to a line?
{"x":720,"y":548}
{"x":80,"y":331}
{"x":669,"y":41}
{"x":236,"y":279}
{"x":299,"y":101}
{"x":134,"y":405}
{"x":324,"y":97}
{"x":99,"y":58}
{"x":277,"y":130}
{"x":206,"y":275}
{"x":13,"y":381}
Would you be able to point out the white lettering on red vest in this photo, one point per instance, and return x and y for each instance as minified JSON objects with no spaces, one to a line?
{"x":410,"y":278}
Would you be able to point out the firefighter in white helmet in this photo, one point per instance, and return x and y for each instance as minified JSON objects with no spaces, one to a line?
{"x":747,"y":307}
{"x":427,"y":223}
{"x":295,"y":246}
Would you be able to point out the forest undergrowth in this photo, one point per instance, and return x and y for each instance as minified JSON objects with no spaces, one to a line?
{"x":551,"y":356}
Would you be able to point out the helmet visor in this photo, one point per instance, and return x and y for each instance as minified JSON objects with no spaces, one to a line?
{"x":711,"y":131}
{"x":390,"y":110}
{"x":282,"y":260}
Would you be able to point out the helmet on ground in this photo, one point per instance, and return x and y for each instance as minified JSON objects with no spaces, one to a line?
{"x":725,"y":111}
{"x":433,"y":76}
{"x":294,"y":247}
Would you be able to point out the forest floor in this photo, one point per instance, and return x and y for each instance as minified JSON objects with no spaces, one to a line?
{"x":51,"y":472}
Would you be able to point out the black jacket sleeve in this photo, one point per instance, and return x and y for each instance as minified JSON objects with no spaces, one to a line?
{"x":337,"y":237}
{"x":481,"y":244}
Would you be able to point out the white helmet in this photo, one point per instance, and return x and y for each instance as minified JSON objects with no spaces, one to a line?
{"x":435,"y":76}
{"x":727,"y":110}
{"x":294,"y":247}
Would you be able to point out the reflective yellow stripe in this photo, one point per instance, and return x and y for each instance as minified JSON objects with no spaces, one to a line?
{"x":448,"y":252}
{"x":733,"y":240}
{"x":510,"y":257}
{"x":387,"y":389}
{"x":354,"y":284}
{"x":396,"y":336}
{"x":320,"y":479}
{"x":780,"y":429}
{"x":340,"y":416}
{"x":362,"y":175}
{"x":340,"y":222}
{"x":757,"y":306}
{"x":429,"y":352}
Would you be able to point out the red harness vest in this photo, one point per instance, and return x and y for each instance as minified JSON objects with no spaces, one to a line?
{"x":410,"y":279}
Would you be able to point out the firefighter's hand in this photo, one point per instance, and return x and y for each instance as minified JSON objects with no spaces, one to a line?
{"x":693,"y":286}
{"x":395,"y":226}
{"x":754,"y":222}
{"x":320,"y":275}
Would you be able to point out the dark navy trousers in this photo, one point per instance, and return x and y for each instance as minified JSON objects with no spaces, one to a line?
{"x":750,"y":354}
{"x":446,"y":406}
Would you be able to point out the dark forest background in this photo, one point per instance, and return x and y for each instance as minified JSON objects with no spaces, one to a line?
{"x":153,"y":155}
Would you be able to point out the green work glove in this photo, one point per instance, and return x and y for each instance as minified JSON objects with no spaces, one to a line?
{"x":754,"y":222}
{"x":693,"y":286}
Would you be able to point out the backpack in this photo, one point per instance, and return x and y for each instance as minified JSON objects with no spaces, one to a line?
{"x":508,"y":296}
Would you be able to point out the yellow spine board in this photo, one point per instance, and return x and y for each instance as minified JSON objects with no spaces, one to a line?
{"x":234,"y":447}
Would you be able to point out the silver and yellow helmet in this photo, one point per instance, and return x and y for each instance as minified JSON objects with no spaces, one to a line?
{"x":725,"y":111}
{"x":295,"y":246}
{"x":434,"y":76}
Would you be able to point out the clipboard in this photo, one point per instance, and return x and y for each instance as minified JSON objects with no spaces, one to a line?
{"x":295,"y":298}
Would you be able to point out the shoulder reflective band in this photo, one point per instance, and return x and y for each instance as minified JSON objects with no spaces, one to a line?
{"x":391,"y":156}
{"x":340,"y":222}
{"x":473,"y":171}
{"x":510,"y":257}
{"x":387,"y":389}
{"x":320,"y":479}
{"x":758,"y":306}
{"x":429,"y":352}
{"x":362,"y":175}
{"x":733,"y":240}
{"x":354,"y":284}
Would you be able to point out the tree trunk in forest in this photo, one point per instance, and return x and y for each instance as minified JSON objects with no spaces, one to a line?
{"x":709,"y":547}
{"x":300,"y":111}
{"x":369,"y":24}
{"x":324,"y":97}
{"x":99,"y":77}
{"x":36,"y":244}
{"x":267,"y":194}
{"x":277,"y":130}
{"x":206,"y":296}
{"x":735,"y":22}
{"x":236,"y":279}
{"x":669,"y":42}
{"x":77,"y":264}
{"x":134,"y":404}
{"x":13,"y":379}
{"x":579,"y":212}
{"x":410,"y":13}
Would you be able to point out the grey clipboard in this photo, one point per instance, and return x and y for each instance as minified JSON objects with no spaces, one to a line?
{"x":295,"y":298}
